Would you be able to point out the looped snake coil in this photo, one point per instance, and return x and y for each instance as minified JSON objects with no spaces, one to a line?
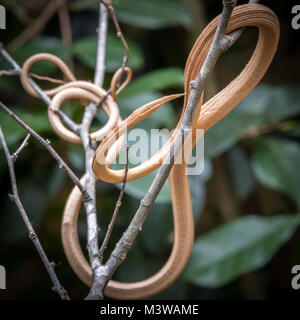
{"x":208,"y":115}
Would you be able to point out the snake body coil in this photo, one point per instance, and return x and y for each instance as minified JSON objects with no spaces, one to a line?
{"x":211,"y":112}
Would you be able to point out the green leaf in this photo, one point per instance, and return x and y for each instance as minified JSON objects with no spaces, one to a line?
{"x":276,"y":165}
{"x":264,"y":105}
{"x":86,"y":51}
{"x":154,"y":81}
{"x":153,"y":14}
{"x":9,"y":83}
{"x":273,"y":104}
{"x":238,"y":247}
{"x":241,"y":172}
{"x":227,"y":132}
{"x":198,"y":188}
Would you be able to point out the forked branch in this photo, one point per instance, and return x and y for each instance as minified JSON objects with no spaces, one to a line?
{"x":32,"y":234}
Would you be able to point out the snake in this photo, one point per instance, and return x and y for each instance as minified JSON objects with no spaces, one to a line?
{"x":73,"y":89}
{"x":206,"y":116}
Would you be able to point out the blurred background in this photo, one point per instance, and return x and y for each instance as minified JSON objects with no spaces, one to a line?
{"x":246,"y":202}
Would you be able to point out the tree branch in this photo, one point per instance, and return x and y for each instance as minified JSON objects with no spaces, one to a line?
{"x":101,"y":48}
{"x":83,"y":130}
{"x":115,"y":214}
{"x":89,"y":148}
{"x":23,"y":145}
{"x":32,"y":235}
{"x":111,"y":10}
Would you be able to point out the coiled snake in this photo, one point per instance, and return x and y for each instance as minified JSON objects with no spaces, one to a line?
{"x":211,"y":112}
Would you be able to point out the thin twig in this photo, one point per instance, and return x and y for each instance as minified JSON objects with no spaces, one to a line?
{"x":110,"y":9}
{"x":102,"y":37}
{"x":32,"y":234}
{"x":45,"y":78}
{"x":23,"y":145}
{"x":9,"y":73}
{"x":120,"y":35}
{"x":117,"y":207}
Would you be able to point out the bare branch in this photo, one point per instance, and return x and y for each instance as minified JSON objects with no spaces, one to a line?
{"x":115,"y":214}
{"x":231,"y":38}
{"x":111,"y":10}
{"x":101,"y":48}
{"x":89,"y":194}
{"x":120,"y":35}
{"x":32,"y":234}
{"x":89,"y":114}
{"x":9,"y":73}
{"x":23,"y":145}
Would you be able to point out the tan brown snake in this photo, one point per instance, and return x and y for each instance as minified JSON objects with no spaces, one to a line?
{"x":83,"y":90}
{"x":211,"y":112}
